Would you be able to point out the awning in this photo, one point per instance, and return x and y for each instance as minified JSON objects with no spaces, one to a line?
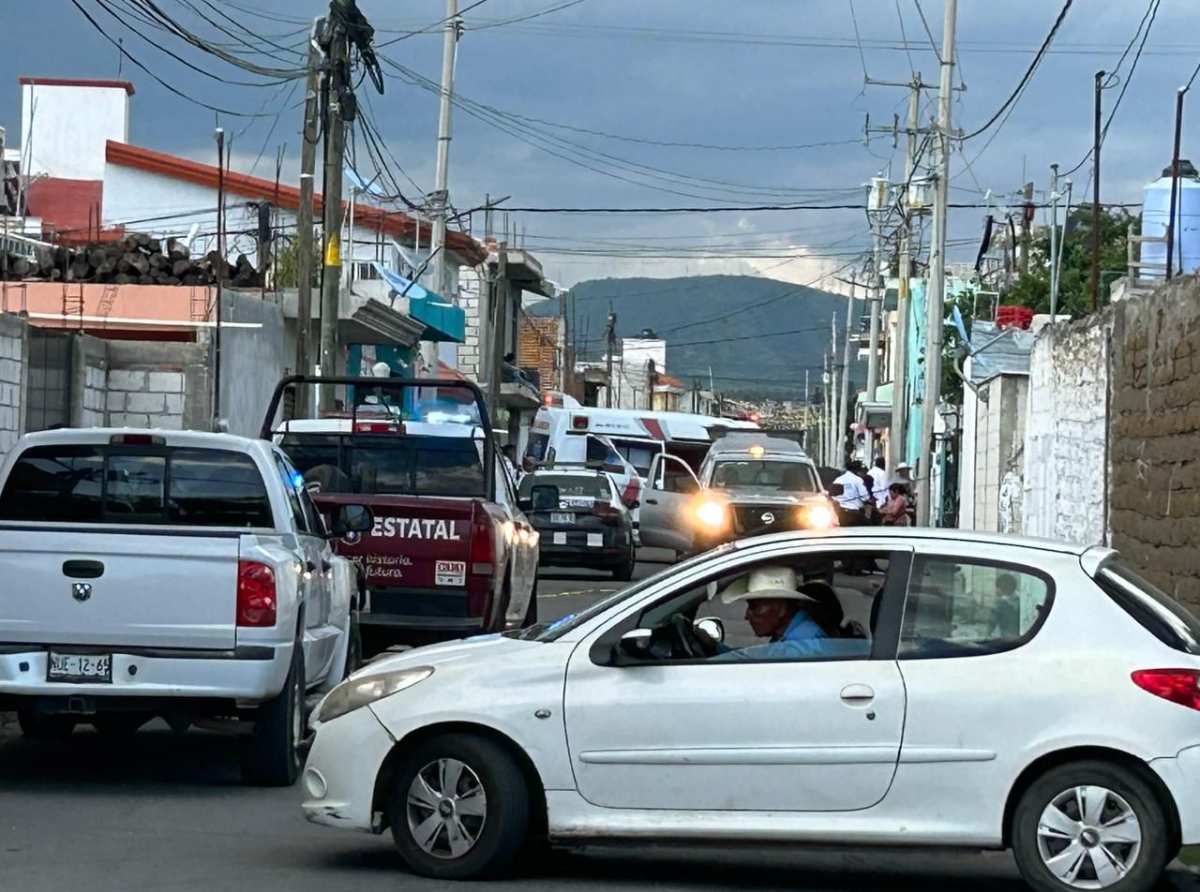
{"x":442,"y":320}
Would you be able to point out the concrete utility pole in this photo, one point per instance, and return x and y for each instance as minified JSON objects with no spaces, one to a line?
{"x":610,"y":341}
{"x":1053,"y":240}
{"x":499,"y":310}
{"x":827,"y":403}
{"x":222,"y":266}
{"x":335,"y":152}
{"x":898,"y":439}
{"x":937,"y":270}
{"x":844,"y":400}
{"x":441,"y":194}
{"x":1096,"y":140}
{"x":878,"y":291}
{"x":304,"y":219}
{"x":835,"y":388}
{"x":1026,"y":227}
{"x":1172,"y":224}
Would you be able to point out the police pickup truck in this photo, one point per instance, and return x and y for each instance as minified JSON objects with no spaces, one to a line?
{"x":174,"y":574}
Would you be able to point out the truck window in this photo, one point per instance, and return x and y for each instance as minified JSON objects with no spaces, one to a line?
{"x":574,"y":486}
{"x":72,"y":483}
{"x":386,"y":464}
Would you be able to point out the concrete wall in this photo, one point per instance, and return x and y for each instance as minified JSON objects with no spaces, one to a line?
{"x":253,"y":361}
{"x":999,"y":447}
{"x":1154,"y":491}
{"x":472,"y":290}
{"x":12,"y":381}
{"x":64,"y":129}
{"x":1066,"y":454}
{"x":158,"y":385}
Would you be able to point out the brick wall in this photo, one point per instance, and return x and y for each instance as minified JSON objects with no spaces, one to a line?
{"x":1154,"y":492}
{"x":1066,"y":460}
{"x":12,"y":377}
{"x":539,"y":348}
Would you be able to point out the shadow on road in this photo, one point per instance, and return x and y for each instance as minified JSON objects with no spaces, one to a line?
{"x":151,"y":759}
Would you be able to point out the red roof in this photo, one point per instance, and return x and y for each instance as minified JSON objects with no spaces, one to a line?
{"x":668,"y":381}
{"x":76,"y":82}
{"x":400,"y":226}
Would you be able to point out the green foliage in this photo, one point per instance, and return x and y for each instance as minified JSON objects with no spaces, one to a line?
{"x":287,"y":273}
{"x":952,"y":384}
{"x":1032,"y":290}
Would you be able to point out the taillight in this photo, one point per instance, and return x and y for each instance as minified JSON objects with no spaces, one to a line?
{"x":257,"y":601}
{"x":378,"y":427}
{"x":607,"y":514}
{"x":483,"y":546}
{"x":1180,"y":686}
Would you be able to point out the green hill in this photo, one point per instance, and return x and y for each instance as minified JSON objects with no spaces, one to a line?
{"x":759,"y":336}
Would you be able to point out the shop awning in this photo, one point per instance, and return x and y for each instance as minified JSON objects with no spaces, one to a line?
{"x":442,"y":320}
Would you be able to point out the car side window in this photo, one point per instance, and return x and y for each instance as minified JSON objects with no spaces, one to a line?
{"x":958,"y":607}
{"x":292,"y":483}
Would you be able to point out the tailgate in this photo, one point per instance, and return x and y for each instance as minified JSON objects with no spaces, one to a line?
{"x":417,"y":542}
{"x":119,"y":589}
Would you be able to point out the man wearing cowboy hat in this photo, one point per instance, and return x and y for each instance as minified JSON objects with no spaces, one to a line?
{"x":775,"y":609}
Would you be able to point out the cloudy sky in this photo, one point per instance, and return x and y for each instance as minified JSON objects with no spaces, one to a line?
{"x":665,"y":103}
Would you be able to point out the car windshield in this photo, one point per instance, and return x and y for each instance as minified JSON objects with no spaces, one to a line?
{"x":387,"y":464}
{"x":552,"y":631}
{"x":570,"y":486}
{"x":767,"y":475}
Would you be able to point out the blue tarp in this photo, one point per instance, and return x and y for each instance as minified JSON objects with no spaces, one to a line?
{"x":443,"y":321}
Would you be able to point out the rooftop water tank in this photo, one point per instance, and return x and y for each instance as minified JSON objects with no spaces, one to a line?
{"x":1157,"y":210}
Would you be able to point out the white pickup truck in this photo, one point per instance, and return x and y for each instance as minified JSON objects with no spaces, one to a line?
{"x":182,"y":575}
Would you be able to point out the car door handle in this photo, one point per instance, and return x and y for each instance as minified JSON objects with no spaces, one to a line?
{"x":857,"y":693}
{"x":83,"y":569}
{"x":651,"y":501}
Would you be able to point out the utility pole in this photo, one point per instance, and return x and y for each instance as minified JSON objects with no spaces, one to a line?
{"x":1054,"y":247}
{"x":876,"y":284}
{"x":337,"y":87}
{"x":441,"y":195}
{"x":566,"y":341}
{"x":834,"y":389}
{"x":610,"y":341}
{"x":937,"y":270}
{"x":222,"y":266}
{"x":1171,"y":230}
{"x":898,"y":435}
{"x":844,"y":400}
{"x":499,"y":308}
{"x":1026,"y":227}
{"x":826,"y":379}
{"x":1099,"y":111}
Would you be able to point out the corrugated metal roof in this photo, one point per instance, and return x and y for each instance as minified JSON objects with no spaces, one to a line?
{"x":997,"y":351}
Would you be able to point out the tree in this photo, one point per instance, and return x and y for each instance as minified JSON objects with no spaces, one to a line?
{"x":1032,"y":290}
{"x":287,"y":272}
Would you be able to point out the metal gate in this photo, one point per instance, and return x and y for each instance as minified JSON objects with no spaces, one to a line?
{"x":48,"y":397}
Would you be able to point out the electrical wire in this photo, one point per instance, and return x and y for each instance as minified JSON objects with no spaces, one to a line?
{"x":1029,"y":72}
{"x":428,"y":28}
{"x":862,"y":56}
{"x":928,"y":31}
{"x":533,"y":15}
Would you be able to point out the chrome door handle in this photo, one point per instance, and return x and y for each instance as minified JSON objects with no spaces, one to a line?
{"x":857,"y":693}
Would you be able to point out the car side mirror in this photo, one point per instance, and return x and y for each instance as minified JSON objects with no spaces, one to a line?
{"x":636,"y":643}
{"x":712,"y":627}
{"x":544,"y":498}
{"x":525,"y":504}
{"x":349,"y":519}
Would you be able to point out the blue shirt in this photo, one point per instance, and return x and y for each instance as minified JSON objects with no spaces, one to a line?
{"x":803,"y":639}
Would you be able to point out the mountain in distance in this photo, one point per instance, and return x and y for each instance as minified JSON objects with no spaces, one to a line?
{"x":759,"y":336}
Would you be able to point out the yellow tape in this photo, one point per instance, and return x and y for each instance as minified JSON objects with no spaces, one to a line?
{"x":333,"y":251}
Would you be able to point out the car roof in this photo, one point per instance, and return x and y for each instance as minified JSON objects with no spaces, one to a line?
{"x":88,"y":436}
{"x":743,"y":441}
{"x":411,"y":428}
{"x":927,"y":534}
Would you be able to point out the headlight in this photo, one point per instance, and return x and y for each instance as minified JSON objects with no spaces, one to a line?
{"x":818,"y":517}
{"x":711,"y":514}
{"x":354,"y":693}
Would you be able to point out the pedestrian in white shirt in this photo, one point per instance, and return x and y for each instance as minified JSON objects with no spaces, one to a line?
{"x":879,"y":482}
{"x":853,"y":496}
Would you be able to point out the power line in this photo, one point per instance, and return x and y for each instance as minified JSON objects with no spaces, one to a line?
{"x":1033,"y":66}
{"x":533,"y":15}
{"x":429,"y":28}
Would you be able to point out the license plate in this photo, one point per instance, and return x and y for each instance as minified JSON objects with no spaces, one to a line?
{"x":562,"y":518}
{"x":80,"y":668}
{"x":595,"y":540}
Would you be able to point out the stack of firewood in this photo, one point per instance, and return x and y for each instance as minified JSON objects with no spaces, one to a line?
{"x":136,"y":259}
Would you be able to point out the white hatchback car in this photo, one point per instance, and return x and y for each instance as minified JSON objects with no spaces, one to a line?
{"x":976,"y":691}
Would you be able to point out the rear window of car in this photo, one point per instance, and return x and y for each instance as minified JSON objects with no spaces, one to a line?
{"x":1156,"y":611}
{"x":155,"y":485}
{"x":569,"y":486}
{"x":386,"y":464}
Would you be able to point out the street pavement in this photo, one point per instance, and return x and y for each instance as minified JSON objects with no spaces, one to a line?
{"x":167,"y":812}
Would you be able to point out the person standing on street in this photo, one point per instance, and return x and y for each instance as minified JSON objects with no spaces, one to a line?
{"x":879,"y":482}
{"x":853,"y":497}
{"x":905,"y":478}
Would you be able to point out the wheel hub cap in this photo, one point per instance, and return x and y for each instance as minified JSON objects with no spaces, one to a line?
{"x":1089,"y":837}
{"x":447,"y":808}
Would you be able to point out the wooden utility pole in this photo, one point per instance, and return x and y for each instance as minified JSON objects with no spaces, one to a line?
{"x":304,"y":219}
{"x":610,"y":341}
{"x":338,"y":86}
{"x":222,"y":268}
{"x":1026,"y":227}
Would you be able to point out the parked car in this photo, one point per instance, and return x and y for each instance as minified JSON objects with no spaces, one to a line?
{"x":994,"y":692}
{"x":450,"y":553}
{"x":177,"y":574}
{"x":749,"y":484}
{"x":580,"y":519}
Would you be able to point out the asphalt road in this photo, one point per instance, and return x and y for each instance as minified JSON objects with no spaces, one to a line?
{"x":167,"y":812}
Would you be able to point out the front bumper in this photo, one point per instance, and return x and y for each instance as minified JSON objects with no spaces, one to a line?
{"x":253,"y":674}
{"x":1181,"y":774}
{"x":339,"y":777}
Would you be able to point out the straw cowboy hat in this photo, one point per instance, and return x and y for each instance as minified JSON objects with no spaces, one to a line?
{"x":768,"y":582}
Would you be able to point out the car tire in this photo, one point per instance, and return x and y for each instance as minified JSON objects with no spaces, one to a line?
{"x":1046,"y":852}
{"x":271,"y":755}
{"x":493,"y":841}
{"x":624,"y":572}
{"x":35,"y":726}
